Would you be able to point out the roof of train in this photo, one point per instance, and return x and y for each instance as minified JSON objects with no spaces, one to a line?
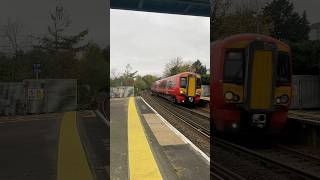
{"x":180,"y":74}
{"x":247,"y":36}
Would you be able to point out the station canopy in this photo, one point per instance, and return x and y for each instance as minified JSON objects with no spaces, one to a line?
{"x":183,"y":7}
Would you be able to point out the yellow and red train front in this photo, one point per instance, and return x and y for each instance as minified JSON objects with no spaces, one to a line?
{"x":181,"y":88}
{"x":252,"y":88}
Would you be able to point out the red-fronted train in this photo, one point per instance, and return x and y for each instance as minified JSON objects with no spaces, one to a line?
{"x":183,"y":88}
{"x":250,"y":84}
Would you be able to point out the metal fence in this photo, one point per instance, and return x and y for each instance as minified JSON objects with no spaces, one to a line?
{"x":12,"y":99}
{"x":205,"y":90}
{"x":38,"y":96}
{"x":121,"y":91}
{"x":306,"y":91}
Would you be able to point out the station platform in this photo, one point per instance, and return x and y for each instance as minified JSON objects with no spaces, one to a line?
{"x":145,"y":146}
{"x":307,"y":116}
{"x":207,"y":99}
{"x":53,"y":146}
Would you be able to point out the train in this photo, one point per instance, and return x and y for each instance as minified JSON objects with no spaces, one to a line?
{"x":182,"y":88}
{"x":250,"y":84}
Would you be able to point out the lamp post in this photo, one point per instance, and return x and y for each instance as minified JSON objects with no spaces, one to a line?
{"x":256,"y":16}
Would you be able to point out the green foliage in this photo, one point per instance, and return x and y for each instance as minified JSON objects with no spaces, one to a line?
{"x":94,"y":71}
{"x":287,"y":24}
{"x":143,"y":83}
{"x":199,"y":68}
{"x":306,"y":57}
{"x":148,"y":80}
{"x":139,"y":85}
{"x":218,"y":10}
{"x":230,"y":19}
{"x":125,"y":79}
{"x":205,"y":79}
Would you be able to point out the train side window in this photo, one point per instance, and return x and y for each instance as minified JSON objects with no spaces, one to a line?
{"x":198,"y":83}
{"x":234,"y":66}
{"x":171,"y":84}
{"x":183,"y":82}
{"x":164,"y":84}
{"x":283,"y":68}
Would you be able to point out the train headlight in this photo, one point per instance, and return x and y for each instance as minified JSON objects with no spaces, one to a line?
{"x":228,"y":95}
{"x":182,"y":91}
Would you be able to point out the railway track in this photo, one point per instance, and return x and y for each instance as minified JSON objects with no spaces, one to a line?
{"x":198,"y":122}
{"x":221,"y":173}
{"x":217,"y":170}
{"x":279,"y":158}
{"x":273,"y":158}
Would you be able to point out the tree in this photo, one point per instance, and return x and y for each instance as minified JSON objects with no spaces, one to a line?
{"x":306,"y":57}
{"x":128,"y":76}
{"x":199,"y":68}
{"x":175,"y":66}
{"x":287,"y":24}
{"x":218,"y":11}
{"x":56,"y":39}
{"x":149,"y":79}
{"x":202,"y":70}
{"x":139,"y":85}
{"x":246,"y":17}
{"x":12,"y":33}
{"x":93,"y":74}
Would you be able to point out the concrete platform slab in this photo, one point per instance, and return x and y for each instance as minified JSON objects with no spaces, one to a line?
{"x":119,"y":139}
{"x":305,"y":116}
{"x":161,"y":131}
{"x":28,"y":146}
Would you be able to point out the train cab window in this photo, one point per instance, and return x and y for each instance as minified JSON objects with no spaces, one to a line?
{"x":234,"y":66}
{"x":183,"y":82}
{"x":283,"y":68}
{"x":198,"y":83}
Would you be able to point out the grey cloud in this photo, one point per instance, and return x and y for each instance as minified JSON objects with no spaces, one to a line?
{"x":149,"y":40}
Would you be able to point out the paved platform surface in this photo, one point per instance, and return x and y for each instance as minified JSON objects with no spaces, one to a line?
{"x":46,"y":146}
{"x":205,"y":98}
{"x":308,"y":116}
{"x":143,"y":147}
{"x":119,"y":139}
{"x":28,"y":146}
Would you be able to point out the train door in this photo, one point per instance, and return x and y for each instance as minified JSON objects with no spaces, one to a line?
{"x":260,"y":78}
{"x":191,"y":86}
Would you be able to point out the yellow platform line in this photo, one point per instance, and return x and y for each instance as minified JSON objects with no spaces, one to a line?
{"x":142,"y":164}
{"x":72,"y":161}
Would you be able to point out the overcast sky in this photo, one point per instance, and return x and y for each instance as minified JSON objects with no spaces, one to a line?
{"x":148,"y":41}
{"x":312,"y":8}
{"x":34,"y":15}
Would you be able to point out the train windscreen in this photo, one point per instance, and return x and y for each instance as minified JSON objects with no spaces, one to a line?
{"x":283,"y":68}
{"x":183,"y":82}
{"x":234,"y":66}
